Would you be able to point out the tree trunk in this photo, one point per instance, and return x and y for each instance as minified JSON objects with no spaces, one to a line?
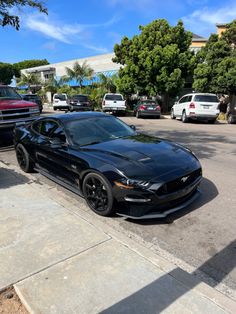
{"x":165,"y":103}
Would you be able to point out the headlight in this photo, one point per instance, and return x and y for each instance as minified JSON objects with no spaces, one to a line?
{"x":131,"y":184}
{"x":33,"y":109}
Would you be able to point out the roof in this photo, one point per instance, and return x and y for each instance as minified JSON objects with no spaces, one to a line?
{"x":76,"y":116}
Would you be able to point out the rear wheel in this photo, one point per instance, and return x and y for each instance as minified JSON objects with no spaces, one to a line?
{"x":98,"y":194}
{"x":230,"y":119}
{"x":184,"y":117}
{"x":138,"y":114}
{"x":172,"y":114}
{"x":23,"y":159}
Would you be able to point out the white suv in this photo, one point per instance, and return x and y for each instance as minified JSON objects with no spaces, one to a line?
{"x":197,"y":106}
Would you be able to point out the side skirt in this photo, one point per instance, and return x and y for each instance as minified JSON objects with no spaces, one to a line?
{"x":59,"y":181}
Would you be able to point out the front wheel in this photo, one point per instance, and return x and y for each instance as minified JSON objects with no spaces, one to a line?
{"x":172,"y":114}
{"x":98,"y":194}
{"x":23,"y":159}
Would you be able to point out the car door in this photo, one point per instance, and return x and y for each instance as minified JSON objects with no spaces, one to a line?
{"x":178,"y":107}
{"x":52,"y":150}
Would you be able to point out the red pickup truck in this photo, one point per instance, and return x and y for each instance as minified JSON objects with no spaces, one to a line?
{"x":13,"y":109}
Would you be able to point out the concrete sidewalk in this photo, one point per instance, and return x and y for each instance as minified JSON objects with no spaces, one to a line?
{"x":62,"y":262}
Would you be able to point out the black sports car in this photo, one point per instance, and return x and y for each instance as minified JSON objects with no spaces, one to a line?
{"x":116,"y":169}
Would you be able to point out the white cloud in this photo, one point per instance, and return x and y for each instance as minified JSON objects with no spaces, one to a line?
{"x":65,"y":33}
{"x":204,"y":21}
{"x":95,"y":48}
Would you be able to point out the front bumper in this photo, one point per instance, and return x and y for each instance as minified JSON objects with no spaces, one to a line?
{"x":146,"y":204}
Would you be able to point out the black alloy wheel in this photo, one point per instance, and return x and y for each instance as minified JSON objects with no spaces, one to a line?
{"x":98,"y":194}
{"x":184,"y":117}
{"x":23,"y":159}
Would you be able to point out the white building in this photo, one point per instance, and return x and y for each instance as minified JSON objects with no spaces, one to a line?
{"x":100,"y":64}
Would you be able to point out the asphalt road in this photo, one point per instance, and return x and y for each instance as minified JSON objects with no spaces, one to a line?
{"x":202,"y":238}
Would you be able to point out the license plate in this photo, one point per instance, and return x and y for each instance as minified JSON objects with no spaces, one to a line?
{"x":150,"y":108}
{"x":205,"y":107}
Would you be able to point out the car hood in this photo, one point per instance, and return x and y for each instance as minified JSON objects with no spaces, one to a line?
{"x":14,"y":104}
{"x":145,"y":157}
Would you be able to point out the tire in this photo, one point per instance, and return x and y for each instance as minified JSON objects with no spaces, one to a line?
{"x":138,"y":116}
{"x":184,"y":117}
{"x":54,"y":108}
{"x":97,"y":192}
{"x":172,"y":114}
{"x":230,"y":119}
{"x":23,"y":159}
{"x":211,"y":121}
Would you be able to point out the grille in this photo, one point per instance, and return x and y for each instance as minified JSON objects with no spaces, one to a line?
{"x":179,"y":184}
{"x":15,"y":111}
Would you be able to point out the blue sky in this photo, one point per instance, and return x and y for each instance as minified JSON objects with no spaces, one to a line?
{"x":76,"y":28}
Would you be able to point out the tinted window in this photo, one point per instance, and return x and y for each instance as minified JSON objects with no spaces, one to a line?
{"x":80,"y":98}
{"x":148,"y":102}
{"x":47,"y":126}
{"x":113,"y":97}
{"x":88,"y":131}
{"x":184,"y":99}
{"x":9,"y":93}
{"x":206,"y":98}
{"x":36,"y":126}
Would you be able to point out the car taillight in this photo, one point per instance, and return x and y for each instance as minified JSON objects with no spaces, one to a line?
{"x":103,"y":103}
{"x":142,"y":107}
{"x":192,"y":105}
{"x":158,"y":108}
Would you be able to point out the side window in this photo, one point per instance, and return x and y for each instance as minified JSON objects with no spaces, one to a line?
{"x":47,"y":126}
{"x":182,"y":100}
{"x":58,"y":133}
{"x":36,"y":126}
{"x":189,"y":98}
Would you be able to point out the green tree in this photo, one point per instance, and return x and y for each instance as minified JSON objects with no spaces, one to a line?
{"x":32,"y":81}
{"x":216,"y":68}
{"x":28,"y":64}
{"x":157,"y":61}
{"x":109,"y":83}
{"x":79,"y":73}
{"x":6,"y":18}
{"x":6,"y":73}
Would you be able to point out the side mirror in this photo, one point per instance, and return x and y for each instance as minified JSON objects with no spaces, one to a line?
{"x":133,"y":127}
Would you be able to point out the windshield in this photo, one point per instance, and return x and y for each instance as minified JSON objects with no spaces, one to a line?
{"x":60,"y":97}
{"x":8,"y":93}
{"x":114,"y":97}
{"x":97,"y":130}
{"x":206,"y":98}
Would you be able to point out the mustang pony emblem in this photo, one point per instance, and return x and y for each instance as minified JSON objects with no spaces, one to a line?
{"x":184,"y":179}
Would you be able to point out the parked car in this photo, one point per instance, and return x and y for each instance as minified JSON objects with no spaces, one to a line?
{"x":114,"y":103}
{"x":34,"y":98}
{"x":196,"y":106}
{"x":147,"y":108}
{"x":231,"y":113}
{"x":60,"y":102}
{"x":116,"y":169}
{"x":80,"y":103}
{"x":14,"y":109}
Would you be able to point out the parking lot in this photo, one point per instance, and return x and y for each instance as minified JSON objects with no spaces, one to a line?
{"x":202,"y":238}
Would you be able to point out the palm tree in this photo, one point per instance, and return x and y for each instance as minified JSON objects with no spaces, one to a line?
{"x":107,"y":82}
{"x":32,"y":81}
{"x":79,"y":73}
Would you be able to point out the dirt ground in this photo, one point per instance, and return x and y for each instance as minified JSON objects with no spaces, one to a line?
{"x":10,"y":303}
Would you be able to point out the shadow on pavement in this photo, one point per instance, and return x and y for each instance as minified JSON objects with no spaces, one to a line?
{"x":9,"y":177}
{"x":160,"y":294}
{"x":201,"y":143}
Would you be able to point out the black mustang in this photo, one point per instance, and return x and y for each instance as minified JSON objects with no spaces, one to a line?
{"x":116,"y":169}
